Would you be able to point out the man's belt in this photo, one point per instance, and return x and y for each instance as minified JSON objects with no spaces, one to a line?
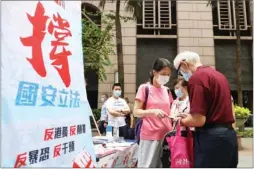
{"x":212,"y":125}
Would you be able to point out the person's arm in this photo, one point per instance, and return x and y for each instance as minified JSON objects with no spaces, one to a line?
{"x":192,"y":120}
{"x":198,"y":107}
{"x":131,"y":121}
{"x":126,"y":110}
{"x":139,"y":112}
{"x":112,"y":111}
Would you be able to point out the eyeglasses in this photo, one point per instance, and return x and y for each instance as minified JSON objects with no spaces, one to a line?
{"x":178,"y":69}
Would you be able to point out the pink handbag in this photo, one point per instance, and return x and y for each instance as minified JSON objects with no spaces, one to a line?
{"x":181,"y":149}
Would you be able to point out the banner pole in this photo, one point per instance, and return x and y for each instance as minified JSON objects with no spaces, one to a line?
{"x":95,"y":122}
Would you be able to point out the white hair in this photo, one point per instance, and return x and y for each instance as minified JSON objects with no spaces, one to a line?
{"x":188,"y":56}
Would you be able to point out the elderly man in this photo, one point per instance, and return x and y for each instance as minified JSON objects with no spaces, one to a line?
{"x":215,"y":141}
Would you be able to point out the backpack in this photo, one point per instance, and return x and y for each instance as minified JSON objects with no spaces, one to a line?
{"x":139,"y":121}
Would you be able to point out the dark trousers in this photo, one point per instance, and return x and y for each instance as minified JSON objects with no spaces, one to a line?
{"x":215,"y":148}
{"x":123,"y":131}
{"x":101,"y":127}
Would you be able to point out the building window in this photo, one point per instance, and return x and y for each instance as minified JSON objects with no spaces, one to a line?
{"x":224,"y":17}
{"x":91,"y":13}
{"x":156,"y":14}
{"x":158,"y":18}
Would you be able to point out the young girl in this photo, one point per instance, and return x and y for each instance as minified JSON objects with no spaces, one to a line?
{"x":181,"y":104}
{"x":156,"y":121}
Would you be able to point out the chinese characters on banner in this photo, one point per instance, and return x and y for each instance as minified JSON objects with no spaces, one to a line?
{"x":40,"y":155}
{"x":60,"y":31}
{"x":45,"y":113}
{"x":28,"y":92}
{"x":65,"y":131}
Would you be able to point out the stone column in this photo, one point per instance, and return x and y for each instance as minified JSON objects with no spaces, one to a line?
{"x":195,"y":29}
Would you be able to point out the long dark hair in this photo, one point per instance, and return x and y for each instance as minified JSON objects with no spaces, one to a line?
{"x":158,"y":65}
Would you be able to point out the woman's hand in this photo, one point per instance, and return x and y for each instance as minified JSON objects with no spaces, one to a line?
{"x":159,"y":113}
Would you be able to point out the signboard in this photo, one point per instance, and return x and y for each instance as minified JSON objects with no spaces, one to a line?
{"x":45,"y":112}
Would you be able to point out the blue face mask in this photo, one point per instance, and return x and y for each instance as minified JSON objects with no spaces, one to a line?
{"x":186,"y":75}
{"x":117,"y":93}
{"x":178,"y":92}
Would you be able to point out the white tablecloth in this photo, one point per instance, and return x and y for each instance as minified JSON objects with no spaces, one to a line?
{"x":123,"y":157}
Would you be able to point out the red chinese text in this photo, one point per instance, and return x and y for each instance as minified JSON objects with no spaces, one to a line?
{"x":72,"y":130}
{"x":57,"y":150}
{"x":60,"y":30}
{"x":20,"y":161}
{"x":48,"y":134}
{"x":39,"y":24}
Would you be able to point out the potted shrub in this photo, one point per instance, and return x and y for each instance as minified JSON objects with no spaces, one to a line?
{"x":241,"y":114}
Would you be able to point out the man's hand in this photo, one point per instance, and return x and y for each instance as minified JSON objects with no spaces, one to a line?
{"x":192,"y":120}
{"x":183,"y":115}
{"x":115,"y":113}
{"x":124,"y":111}
{"x":120,"y":113}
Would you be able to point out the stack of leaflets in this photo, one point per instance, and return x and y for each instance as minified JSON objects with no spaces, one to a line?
{"x":101,"y":151}
{"x":103,"y":139}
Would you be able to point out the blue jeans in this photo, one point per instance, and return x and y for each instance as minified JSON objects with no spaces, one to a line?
{"x":215,"y":148}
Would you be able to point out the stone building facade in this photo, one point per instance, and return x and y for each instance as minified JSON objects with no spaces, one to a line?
{"x":194,"y":26}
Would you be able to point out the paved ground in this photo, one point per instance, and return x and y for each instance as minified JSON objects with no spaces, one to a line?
{"x":246,"y":155}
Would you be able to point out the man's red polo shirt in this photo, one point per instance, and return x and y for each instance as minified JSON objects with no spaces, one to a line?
{"x":209,"y":93}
